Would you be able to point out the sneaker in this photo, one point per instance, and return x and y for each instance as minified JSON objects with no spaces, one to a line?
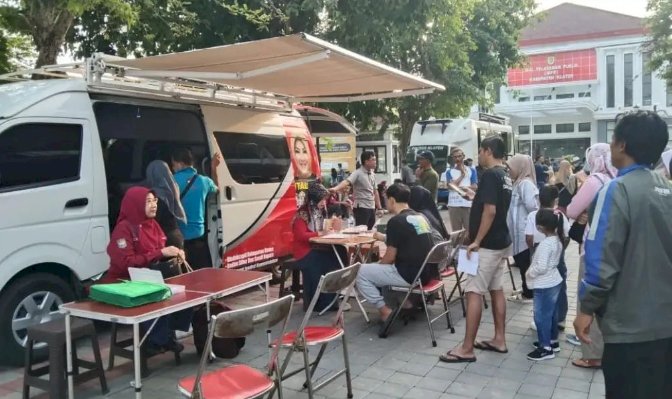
{"x":573,"y":339}
{"x":533,"y":326}
{"x":519,"y":298}
{"x":347,"y":307}
{"x":554,"y":345}
{"x":541,"y":354}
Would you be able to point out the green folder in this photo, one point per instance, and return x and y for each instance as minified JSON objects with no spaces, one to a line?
{"x":129,"y":294}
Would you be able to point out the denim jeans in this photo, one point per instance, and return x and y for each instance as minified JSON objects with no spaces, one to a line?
{"x":373,"y":276}
{"x":546,"y":314}
{"x":562,"y":297}
{"x":313,"y":266}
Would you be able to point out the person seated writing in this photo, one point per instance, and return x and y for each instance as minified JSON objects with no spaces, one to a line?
{"x":313,"y":262}
{"x":409,"y":239}
{"x":138,"y":241}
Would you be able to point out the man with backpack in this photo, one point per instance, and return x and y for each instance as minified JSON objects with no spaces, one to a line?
{"x":194,"y":191}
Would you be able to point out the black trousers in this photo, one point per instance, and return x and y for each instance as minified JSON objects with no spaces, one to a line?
{"x":523,"y":263}
{"x":198,"y":252}
{"x":365,"y":216}
{"x":638,"y":371}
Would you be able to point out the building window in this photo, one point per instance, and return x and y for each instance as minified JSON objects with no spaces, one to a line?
{"x":611,"y":125}
{"x":628,"y":79}
{"x":646,"y":79}
{"x":669,"y":94}
{"x":585,"y":127}
{"x":523,"y":99}
{"x":542,"y":98}
{"x":611,"y":75}
{"x":564,"y":128}
{"x":584,"y":94}
{"x":542,"y":129}
{"x":564,"y":96}
{"x":39,"y":154}
{"x":524,"y":129}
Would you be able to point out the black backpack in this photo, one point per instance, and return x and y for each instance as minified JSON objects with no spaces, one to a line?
{"x":226,"y":348}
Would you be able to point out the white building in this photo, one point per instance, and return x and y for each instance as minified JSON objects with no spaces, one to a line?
{"x":585,"y":66}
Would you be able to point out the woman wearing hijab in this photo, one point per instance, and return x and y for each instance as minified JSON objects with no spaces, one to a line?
{"x":138,"y":241}
{"x":313,"y":262}
{"x":421,"y":201}
{"x":161,"y":181}
{"x":598,"y":164}
{"x":524,"y":199}
{"x":562,"y":178}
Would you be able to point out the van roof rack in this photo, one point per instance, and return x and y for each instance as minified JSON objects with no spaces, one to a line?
{"x":102,"y":75}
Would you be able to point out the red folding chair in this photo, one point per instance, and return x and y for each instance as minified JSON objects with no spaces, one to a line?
{"x":240,"y":381}
{"x":306,"y":335}
{"x":437,"y":255}
{"x":457,"y":239}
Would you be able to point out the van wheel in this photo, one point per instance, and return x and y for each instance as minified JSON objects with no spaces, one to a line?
{"x":30,"y":300}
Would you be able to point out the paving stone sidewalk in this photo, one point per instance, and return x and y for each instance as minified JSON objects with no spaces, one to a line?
{"x":405,"y":365}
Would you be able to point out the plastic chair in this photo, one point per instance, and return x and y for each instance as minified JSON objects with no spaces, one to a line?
{"x":240,"y":381}
{"x":305,"y":335}
{"x":438,"y":255}
{"x":457,"y":239}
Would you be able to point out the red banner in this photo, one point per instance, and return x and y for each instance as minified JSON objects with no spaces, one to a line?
{"x":570,"y":66}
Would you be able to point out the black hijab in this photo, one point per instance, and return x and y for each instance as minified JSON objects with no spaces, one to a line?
{"x":421,"y":201}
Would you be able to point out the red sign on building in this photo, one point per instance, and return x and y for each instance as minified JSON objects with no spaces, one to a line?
{"x":569,"y":66}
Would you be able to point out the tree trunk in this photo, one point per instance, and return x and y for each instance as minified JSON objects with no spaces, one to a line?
{"x":50,"y":27}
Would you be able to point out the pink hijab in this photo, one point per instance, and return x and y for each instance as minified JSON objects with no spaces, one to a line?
{"x":524,"y":165}
{"x":598,"y":158}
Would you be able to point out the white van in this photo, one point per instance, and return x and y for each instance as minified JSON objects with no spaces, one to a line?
{"x":69,"y":148}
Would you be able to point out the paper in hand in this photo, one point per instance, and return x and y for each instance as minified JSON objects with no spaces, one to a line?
{"x":465,"y":265}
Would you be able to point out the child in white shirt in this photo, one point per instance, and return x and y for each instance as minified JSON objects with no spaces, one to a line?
{"x":545,"y":279}
{"x":548,"y":199}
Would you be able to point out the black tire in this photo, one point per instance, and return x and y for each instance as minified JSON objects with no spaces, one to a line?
{"x":13,"y":296}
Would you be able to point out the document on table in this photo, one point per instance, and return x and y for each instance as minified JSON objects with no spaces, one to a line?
{"x":464,"y":265}
{"x":334,"y":236}
{"x":153,"y":276}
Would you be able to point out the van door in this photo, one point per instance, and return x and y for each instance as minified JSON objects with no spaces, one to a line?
{"x":252,"y":177}
{"x":46,"y":198}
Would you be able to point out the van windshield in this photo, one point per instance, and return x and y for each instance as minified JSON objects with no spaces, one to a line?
{"x":441,"y":157}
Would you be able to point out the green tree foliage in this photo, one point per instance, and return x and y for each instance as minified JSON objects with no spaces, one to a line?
{"x":48,"y":22}
{"x":176,"y":25}
{"x":660,"y":30}
{"x":465,"y":45}
{"x":16,"y":52}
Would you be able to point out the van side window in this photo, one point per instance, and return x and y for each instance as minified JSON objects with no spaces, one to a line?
{"x":254,"y":158}
{"x":39,"y":154}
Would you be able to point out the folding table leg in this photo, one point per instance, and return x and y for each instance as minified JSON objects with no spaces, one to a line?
{"x":68,"y":356}
{"x":346,"y":360}
{"x":137,"y":383}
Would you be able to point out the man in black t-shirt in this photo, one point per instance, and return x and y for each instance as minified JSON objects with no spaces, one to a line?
{"x":409,"y":240}
{"x":490,"y":238}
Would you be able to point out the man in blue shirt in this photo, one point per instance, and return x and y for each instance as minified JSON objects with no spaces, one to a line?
{"x":541,"y":171}
{"x":194,"y":191}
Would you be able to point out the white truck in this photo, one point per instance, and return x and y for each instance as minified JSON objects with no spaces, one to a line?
{"x":440,"y":136}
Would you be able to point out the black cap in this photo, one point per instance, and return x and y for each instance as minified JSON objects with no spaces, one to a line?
{"x":428,"y":155}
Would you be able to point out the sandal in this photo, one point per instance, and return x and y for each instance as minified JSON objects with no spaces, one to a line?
{"x":450,"y":357}
{"x":487,"y":346}
{"x":587,"y":363}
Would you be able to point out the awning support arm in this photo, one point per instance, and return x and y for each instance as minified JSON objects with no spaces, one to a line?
{"x":229,"y":75}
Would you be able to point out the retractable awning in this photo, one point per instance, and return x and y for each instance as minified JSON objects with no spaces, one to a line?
{"x":299,"y":67}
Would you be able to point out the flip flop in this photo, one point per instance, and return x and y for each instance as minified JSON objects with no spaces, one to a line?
{"x":450,"y":357}
{"x":585,"y":364}
{"x":487,"y":346}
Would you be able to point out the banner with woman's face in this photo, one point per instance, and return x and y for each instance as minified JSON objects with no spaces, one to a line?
{"x":305,"y":162}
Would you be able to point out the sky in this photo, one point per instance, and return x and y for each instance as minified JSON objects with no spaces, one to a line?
{"x":630,"y":7}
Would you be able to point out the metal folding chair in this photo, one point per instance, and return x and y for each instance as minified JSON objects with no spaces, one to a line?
{"x":437,"y":255}
{"x":241,"y":381}
{"x":306,"y":336}
{"x":457,"y":239}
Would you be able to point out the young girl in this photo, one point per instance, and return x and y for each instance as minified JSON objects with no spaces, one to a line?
{"x":545,"y":279}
